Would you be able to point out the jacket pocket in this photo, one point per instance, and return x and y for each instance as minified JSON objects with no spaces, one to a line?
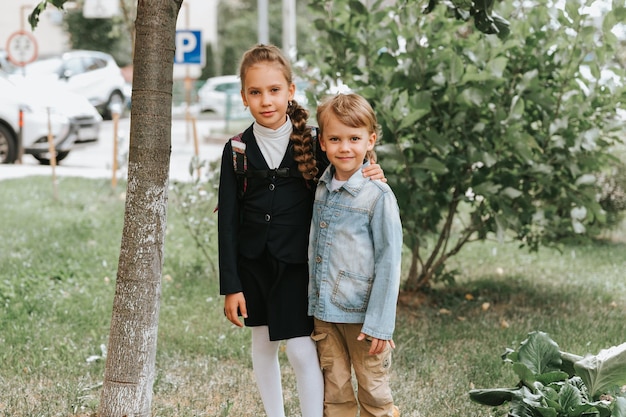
{"x":351,"y":292}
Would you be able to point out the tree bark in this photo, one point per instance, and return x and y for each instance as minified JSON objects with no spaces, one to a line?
{"x":130,"y":365}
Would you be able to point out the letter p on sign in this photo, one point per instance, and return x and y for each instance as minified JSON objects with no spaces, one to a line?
{"x":189,"y":48}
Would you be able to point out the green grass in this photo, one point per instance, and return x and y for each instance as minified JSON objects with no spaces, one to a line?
{"x":58,"y":262}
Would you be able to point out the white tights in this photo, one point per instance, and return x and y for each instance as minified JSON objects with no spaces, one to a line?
{"x":302,"y":355}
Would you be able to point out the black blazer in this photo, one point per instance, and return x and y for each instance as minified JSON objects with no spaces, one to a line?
{"x":273,"y":214}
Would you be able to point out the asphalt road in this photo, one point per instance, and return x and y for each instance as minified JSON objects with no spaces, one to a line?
{"x":96,"y":160}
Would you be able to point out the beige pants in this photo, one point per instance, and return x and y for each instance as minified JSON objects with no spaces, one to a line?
{"x":339,"y":353}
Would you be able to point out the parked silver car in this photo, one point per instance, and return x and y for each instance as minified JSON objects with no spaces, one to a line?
{"x":30,"y":113}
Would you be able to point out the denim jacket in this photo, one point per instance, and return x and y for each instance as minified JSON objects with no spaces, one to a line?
{"x":355,"y":248}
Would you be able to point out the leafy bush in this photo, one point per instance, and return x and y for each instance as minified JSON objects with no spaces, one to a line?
{"x":559,"y":384}
{"x":483,"y":138}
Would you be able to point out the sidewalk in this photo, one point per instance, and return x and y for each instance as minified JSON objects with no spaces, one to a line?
{"x":96,"y":161}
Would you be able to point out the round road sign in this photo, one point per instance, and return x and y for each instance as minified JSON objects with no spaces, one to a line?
{"x":21,"y":48}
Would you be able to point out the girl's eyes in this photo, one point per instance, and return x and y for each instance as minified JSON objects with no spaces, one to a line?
{"x":256,"y":92}
{"x":355,"y":138}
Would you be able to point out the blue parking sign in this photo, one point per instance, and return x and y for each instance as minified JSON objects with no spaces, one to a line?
{"x":189,"y":48}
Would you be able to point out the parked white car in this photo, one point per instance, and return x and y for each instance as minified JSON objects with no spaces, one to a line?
{"x":92,"y":74}
{"x":222,"y":96}
{"x":70,"y":118}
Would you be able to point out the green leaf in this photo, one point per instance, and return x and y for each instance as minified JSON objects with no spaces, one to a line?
{"x":412,"y":118}
{"x":357,"y":7}
{"x":433,"y":165}
{"x":543,"y":412}
{"x":497,"y":66}
{"x":511,"y":193}
{"x":472,"y":96}
{"x":33,"y":18}
{"x":493,"y":397}
{"x":487,"y":188}
{"x":456,"y":69}
{"x":619,"y":408}
{"x":540,"y":353}
{"x":516,"y":111}
{"x":525,"y":373}
{"x":570,"y":398}
{"x":553,"y":376}
{"x":603,"y":371}
{"x":385,"y":59}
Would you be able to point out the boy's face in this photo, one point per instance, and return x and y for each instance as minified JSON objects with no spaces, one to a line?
{"x":267,"y":93}
{"x":345,"y":146}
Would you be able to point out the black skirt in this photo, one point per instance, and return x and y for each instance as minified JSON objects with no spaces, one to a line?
{"x":276,"y":295}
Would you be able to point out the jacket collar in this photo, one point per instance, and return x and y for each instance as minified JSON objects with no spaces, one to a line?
{"x":354,"y":184}
{"x":255,"y":156}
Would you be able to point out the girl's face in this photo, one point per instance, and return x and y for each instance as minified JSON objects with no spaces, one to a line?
{"x":345,"y":146}
{"x":267,"y":93}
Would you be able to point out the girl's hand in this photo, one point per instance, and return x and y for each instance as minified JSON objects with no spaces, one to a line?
{"x":233,"y":305}
{"x":378,"y":345}
{"x":374,"y":172}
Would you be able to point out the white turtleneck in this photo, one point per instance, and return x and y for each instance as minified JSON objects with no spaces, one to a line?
{"x":273,"y":143}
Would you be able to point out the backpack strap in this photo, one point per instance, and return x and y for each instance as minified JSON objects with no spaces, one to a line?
{"x":240,"y":163}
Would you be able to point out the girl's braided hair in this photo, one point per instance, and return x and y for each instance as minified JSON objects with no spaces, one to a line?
{"x":301,"y":134}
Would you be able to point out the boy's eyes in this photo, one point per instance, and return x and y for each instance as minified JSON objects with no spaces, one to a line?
{"x":336,"y":139}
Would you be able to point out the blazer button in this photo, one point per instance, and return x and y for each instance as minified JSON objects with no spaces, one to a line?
{"x":318,"y":259}
{"x":323,"y":225}
{"x":272,"y":186}
{"x":267,"y":217}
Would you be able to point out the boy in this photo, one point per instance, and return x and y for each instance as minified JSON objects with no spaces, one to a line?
{"x":354,"y":262}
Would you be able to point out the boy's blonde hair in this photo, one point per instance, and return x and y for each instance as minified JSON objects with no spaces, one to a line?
{"x":351,"y":110}
{"x":303,"y":152}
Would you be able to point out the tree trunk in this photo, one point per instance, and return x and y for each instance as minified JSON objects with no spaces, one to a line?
{"x":414,"y":272}
{"x":130,"y":364}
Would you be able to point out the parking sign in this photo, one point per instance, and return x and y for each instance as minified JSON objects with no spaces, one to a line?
{"x":189,"y":48}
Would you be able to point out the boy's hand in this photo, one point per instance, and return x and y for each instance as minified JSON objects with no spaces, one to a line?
{"x":378,"y":345}
{"x":374,"y":172}
{"x":233,"y":304}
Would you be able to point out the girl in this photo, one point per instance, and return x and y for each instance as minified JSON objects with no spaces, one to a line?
{"x":263,"y":232}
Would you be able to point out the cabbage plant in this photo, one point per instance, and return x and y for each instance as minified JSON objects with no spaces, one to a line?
{"x":560,"y":384}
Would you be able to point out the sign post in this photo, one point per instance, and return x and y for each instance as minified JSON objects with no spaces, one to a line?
{"x":21,"y":50}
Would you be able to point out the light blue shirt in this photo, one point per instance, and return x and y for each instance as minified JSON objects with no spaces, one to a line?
{"x":355,"y":248}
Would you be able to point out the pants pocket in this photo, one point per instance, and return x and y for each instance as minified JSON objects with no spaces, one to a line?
{"x":324,"y":350}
